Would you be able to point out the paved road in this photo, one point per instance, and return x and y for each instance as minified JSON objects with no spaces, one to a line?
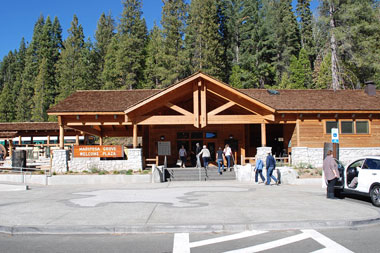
{"x":359,"y":239}
{"x":176,"y":207}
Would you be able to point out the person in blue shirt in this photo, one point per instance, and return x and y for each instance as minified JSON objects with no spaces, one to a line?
{"x":259,"y":171}
{"x":271,"y":165}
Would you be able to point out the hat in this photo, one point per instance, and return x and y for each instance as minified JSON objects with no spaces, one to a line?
{"x":204,"y":146}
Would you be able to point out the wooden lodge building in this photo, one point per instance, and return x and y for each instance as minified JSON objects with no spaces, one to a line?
{"x":201,"y":109}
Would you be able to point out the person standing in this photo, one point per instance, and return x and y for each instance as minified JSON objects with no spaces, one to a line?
{"x":330,"y":168}
{"x":270,"y":165}
{"x":205,"y":153}
{"x":228,"y":154}
{"x":219,"y":159}
{"x":182,"y":155}
{"x":259,"y":171}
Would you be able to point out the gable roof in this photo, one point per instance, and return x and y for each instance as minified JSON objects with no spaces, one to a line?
{"x":120,"y":101}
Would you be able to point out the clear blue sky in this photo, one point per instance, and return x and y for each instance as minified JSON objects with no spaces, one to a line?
{"x":17,"y":17}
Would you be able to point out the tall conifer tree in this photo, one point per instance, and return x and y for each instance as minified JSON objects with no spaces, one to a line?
{"x":155,"y":71}
{"x":72,"y":67}
{"x":173,"y":27}
{"x":203,"y":41}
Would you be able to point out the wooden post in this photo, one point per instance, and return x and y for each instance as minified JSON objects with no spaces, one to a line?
{"x":134,"y":135}
{"x":61,"y":133}
{"x":10,"y":147}
{"x":203,"y":105}
{"x":77,"y":140}
{"x":298,"y":132}
{"x":101,"y":140}
{"x":48,"y":140}
{"x":196,"y":104}
{"x":19,"y":140}
{"x":85,"y":139}
{"x":263,"y":135}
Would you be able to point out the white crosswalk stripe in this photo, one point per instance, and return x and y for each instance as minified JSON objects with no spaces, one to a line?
{"x":182,"y":242}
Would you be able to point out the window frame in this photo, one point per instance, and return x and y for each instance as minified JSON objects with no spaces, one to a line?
{"x":354,"y":122}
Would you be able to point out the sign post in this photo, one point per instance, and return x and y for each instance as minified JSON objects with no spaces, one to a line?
{"x":335,"y":141}
{"x":164,"y":150}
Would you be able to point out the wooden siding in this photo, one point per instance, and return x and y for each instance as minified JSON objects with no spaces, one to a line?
{"x":312,"y":135}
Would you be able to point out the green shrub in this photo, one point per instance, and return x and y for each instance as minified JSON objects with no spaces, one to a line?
{"x":129,"y":172}
{"x":103,"y":172}
{"x":94,"y":170}
{"x":116,"y":172}
{"x":54,"y":173}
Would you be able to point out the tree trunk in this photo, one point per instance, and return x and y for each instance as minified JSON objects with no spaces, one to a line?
{"x":334,"y":58}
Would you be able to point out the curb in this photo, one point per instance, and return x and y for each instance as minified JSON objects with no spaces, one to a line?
{"x":196,"y":228}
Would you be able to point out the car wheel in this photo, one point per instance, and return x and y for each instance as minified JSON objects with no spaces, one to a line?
{"x":338,"y":193}
{"x":375,"y":195}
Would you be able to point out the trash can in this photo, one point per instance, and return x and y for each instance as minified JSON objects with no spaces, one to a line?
{"x":19,"y":158}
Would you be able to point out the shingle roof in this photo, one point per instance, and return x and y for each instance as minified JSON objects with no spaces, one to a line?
{"x":307,"y":100}
{"x":26,"y":126}
{"x":290,"y":100}
{"x":102,"y":100}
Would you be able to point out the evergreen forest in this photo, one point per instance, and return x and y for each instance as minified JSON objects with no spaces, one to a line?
{"x":245,"y":43}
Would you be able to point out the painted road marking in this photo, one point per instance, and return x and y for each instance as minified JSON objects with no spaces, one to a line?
{"x":226,"y":238}
{"x":182,"y":242}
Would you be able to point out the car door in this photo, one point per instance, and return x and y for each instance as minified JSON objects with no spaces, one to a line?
{"x":368,"y":174}
{"x":352,"y":171}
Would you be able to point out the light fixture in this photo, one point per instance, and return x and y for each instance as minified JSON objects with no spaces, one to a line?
{"x":162,"y":137}
{"x":78,"y":117}
{"x":115,"y":116}
{"x":231,"y":136}
{"x":96,"y":116}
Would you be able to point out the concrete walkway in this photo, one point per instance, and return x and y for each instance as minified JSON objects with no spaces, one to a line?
{"x":176,"y":207}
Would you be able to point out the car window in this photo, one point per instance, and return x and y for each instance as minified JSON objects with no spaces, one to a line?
{"x":373,"y":164}
{"x":356,"y":165}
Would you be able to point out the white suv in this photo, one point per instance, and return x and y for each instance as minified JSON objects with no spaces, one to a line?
{"x":362,"y":176}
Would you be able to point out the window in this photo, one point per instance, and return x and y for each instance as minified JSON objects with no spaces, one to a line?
{"x":210,"y":135}
{"x":182,"y":135}
{"x":372,"y":164}
{"x":362,"y":127}
{"x":329,"y":125}
{"x":196,"y":135}
{"x":347,"y":127}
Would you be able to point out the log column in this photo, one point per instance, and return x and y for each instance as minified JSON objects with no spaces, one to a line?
{"x":263,"y":135}
{"x":134,"y":135}
{"x":61,"y":133}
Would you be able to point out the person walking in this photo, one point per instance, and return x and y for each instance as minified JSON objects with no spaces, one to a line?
{"x":219,"y":159}
{"x":205,"y":153}
{"x":182,"y":155}
{"x":259,"y":171}
{"x":330,"y":169}
{"x":271,"y":165}
{"x":228,"y":154}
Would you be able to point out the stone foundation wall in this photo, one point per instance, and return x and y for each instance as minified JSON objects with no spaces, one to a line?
{"x":314,"y":156}
{"x":62,"y":164}
{"x":262,"y":153}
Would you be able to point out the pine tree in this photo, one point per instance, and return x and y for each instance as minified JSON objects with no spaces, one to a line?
{"x":103,"y":36}
{"x":353,"y":33}
{"x":287,"y":34}
{"x":72,"y":67}
{"x":173,"y":28}
{"x":32,"y":61}
{"x":8,"y":76}
{"x":324,"y":77}
{"x":300,"y":71}
{"x":259,"y":44}
{"x":154,"y":71}
{"x":132,"y":41}
{"x":203,"y":46}
{"x":306,"y":28}
{"x":40,"y":98}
